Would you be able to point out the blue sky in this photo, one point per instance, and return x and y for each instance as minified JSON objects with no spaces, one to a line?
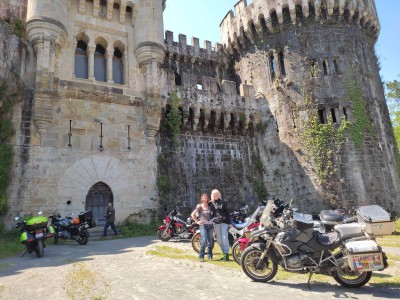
{"x":201,"y":19}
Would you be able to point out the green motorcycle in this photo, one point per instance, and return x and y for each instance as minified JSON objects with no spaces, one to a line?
{"x":34,"y":232}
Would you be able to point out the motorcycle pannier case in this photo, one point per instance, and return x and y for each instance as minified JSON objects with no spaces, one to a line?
{"x":364,"y":255}
{"x":375,"y":220}
{"x":38,"y":222}
{"x":85,"y":216}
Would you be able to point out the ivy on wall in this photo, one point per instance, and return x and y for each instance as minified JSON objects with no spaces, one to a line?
{"x":174,"y":119}
{"x":8,"y":98}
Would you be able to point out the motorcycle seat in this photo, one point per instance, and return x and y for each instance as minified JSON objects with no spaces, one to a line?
{"x":330,"y":216}
{"x":349,"y":231}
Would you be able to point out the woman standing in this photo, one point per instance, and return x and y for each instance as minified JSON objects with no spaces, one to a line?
{"x":222,"y":222}
{"x":203,"y":216}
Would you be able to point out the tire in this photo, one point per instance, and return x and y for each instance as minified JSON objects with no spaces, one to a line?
{"x":82,"y":238}
{"x":39,"y":248}
{"x":267,"y":270}
{"x":356,"y":280}
{"x":237,"y":251}
{"x":164,"y":235}
{"x":196,"y":242}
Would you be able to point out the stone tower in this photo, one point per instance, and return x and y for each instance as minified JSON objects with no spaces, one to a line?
{"x":313,"y":64}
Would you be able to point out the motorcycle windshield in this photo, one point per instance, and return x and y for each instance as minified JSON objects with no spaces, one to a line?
{"x":265,"y":217}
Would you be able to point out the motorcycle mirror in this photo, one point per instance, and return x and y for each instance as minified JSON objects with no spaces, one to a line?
{"x":16,"y":218}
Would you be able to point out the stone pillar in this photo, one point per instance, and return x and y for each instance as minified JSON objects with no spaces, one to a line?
{"x":125,"y":68}
{"x":109,"y":56}
{"x":96,"y":8}
{"x":90,"y":51}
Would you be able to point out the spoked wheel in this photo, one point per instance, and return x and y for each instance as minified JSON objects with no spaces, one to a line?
{"x":82,"y":238}
{"x":262,"y":271}
{"x":39,"y":248}
{"x":196,"y":242}
{"x":164,"y":235}
{"x":352,"y":279}
{"x":237,"y":251}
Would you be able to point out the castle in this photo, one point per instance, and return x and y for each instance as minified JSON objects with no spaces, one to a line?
{"x":290,"y":105}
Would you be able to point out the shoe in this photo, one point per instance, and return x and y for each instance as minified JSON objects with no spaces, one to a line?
{"x":201,"y":259}
{"x":210,"y":257}
{"x":225,"y":257}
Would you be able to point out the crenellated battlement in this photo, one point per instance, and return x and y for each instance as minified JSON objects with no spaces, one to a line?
{"x":266,"y":16}
{"x":193,"y":52}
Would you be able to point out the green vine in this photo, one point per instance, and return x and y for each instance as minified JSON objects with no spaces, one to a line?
{"x":174,"y":119}
{"x":324,"y":142}
{"x":260,"y":189}
{"x":361,"y":123}
{"x":8,"y":98}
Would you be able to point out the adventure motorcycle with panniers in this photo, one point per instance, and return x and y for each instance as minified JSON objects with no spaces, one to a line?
{"x":34,"y":232}
{"x":349,"y":254}
{"x":73,"y":228}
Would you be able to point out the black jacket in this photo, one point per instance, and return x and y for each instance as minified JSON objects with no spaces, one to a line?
{"x":220,"y":211}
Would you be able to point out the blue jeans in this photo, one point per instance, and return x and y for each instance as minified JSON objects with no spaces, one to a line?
{"x":222,"y":236}
{"x":207,"y":239}
{"x":108,"y":224}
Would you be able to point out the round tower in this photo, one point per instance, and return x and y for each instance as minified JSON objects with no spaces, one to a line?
{"x":313,"y":62}
{"x":47,"y":32}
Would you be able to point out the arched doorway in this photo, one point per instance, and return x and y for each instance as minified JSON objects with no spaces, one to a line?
{"x":97,"y":199}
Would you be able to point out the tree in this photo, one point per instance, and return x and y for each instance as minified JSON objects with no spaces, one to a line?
{"x":393,"y":100}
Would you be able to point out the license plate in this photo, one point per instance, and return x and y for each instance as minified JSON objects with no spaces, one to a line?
{"x":367,"y":262}
{"x":39,"y":235}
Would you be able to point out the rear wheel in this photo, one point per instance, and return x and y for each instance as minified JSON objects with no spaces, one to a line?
{"x":164,"y":235}
{"x":39,"y":248}
{"x":196,"y":242}
{"x":352,"y":279}
{"x":262,"y":271}
{"x":237,"y":251}
{"x":82,"y":238}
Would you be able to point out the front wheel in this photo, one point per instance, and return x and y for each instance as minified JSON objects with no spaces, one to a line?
{"x":237,"y":251}
{"x":196,"y":242}
{"x":82,"y":238}
{"x":352,"y":279}
{"x":39,"y":248}
{"x":261,"y":271}
{"x":164,"y":235}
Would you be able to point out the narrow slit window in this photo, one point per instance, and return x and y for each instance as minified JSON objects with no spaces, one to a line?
{"x":282,"y":63}
{"x":272,"y":66}
{"x":345,"y":113}
{"x":321,"y":114}
{"x":325,"y":67}
{"x":333,"y":115}
{"x":336,"y":66}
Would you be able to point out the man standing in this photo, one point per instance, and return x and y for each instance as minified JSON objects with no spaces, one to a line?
{"x":110,"y":219}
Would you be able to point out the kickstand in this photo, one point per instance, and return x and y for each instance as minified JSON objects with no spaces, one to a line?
{"x":309,"y":279}
{"x":24,"y":253}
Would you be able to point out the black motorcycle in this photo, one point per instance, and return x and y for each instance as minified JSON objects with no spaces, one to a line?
{"x":348,"y":254}
{"x":70,"y":228}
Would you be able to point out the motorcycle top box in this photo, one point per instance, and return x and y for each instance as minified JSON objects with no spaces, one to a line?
{"x":375,"y":220}
{"x":85,"y":216}
{"x":38,"y":222}
{"x":364,"y":255}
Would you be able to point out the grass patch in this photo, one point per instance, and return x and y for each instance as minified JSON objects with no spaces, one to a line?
{"x":9,"y":243}
{"x":85,"y":282}
{"x":134,"y":229}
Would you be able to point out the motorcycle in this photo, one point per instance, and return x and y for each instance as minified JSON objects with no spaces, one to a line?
{"x":34,"y":232}
{"x":239,"y":220}
{"x":175,"y":226}
{"x":70,"y":228}
{"x":348,"y":254}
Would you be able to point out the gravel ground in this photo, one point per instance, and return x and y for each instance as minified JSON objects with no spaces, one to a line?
{"x":121,"y":269}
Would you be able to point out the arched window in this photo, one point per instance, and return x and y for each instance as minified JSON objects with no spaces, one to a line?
{"x":272,"y":66}
{"x":282,"y":63}
{"x":100,"y":63}
{"x":81,"y":60}
{"x":118,"y":74}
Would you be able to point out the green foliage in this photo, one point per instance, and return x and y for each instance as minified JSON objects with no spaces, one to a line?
{"x":323,"y":142}
{"x":9,"y":242}
{"x":18,"y":28}
{"x":393,"y":90}
{"x":260,"y":189}
{"x":361,"y":123}
{"x":163,"y":185}
{"x":174,"y":119}
{"x":134,"y":229}
{"x":258,"y":165}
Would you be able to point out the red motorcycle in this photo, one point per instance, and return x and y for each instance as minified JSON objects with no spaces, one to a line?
{"x":175,"y":226}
